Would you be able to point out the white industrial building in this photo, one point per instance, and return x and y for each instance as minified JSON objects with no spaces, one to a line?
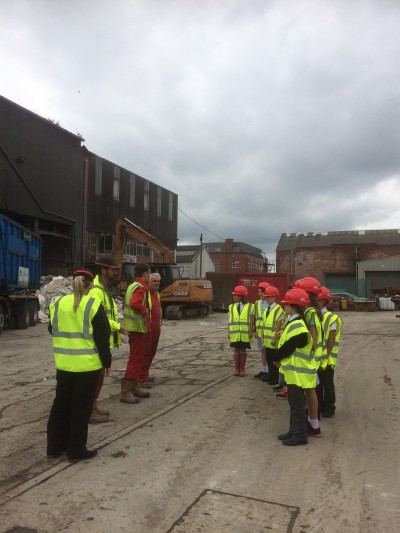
{"x":194,"y":261}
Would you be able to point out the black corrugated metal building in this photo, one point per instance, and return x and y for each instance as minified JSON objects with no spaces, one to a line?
{"x":72,"y":197}
{"x":114,"y":191}
{"x":41,"y":183}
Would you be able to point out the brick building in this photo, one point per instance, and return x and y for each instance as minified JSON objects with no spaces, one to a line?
{"x":333,"y":255}
{"x":236,"y":257}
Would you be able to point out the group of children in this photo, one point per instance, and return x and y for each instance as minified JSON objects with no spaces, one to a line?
{"x":299,"y":343}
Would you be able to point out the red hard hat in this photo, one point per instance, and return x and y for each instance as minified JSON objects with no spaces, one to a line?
{"x":297,"y":297}
{"x":271,"y":291}
{"x":263,"y":285}
{"x":325,"y":294}
{"x":240,"y":290}
{"x":309,"y":285}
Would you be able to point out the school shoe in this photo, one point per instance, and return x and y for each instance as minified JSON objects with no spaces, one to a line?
{"x":313,"y":432}
{"x":266,"y":377}
{"x":328,"y":414}
{"x":285,"y":436}
{"x":294,"y":441}
{"x":282,"y":395}
{"x":84,"y":454}
{"x":259,"y":375}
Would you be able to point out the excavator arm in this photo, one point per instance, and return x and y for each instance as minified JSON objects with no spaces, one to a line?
{"x":124,"y":228}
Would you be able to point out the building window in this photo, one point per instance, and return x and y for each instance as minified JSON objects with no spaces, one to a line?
{"x":235,"y":264}
{"x":130,"y":247}
{"x":170,"y":205}
{"x":217,"y":265}
{"x":159,"y":201}
{"x":132,"y":190}
{"x":104,"y":243}
{"x":116,"y":183}
{"x":98,"y":180}
{"x":146,"y":204}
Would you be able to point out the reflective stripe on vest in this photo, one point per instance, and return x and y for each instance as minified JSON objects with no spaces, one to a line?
{"x":72,"y":334}
{"x":269,"y":324}
{"x":299,"y":368}
{"x":239,"y":324}
{"x":134,"y":321}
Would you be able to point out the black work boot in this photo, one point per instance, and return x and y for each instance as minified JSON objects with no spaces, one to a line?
{"x":285,"y":436}
{"x":294,"y":441}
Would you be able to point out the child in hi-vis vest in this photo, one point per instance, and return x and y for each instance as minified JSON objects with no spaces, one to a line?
{"x":241,"y":328}
{"x":296,"y":361}
{"x":332,"y":326}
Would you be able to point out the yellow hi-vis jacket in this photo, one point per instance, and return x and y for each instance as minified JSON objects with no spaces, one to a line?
{"x":327,"y":320}
{"x":150,"y":301}
{"x":110,"y":307}
{"x":239,"y":324}
{"x":299,"y":368}
{"x":258,"y":320}
{"x":134,"y":321}
{"x":310,"y":314}
{"x":72,"y":332}
{"x":270,"y":321}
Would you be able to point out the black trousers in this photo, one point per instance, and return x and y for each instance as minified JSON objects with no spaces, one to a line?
{"x":272,"y":369}
{"x":298,"y":425}
{"x":326,"y":395}
{"x":67,"y":427}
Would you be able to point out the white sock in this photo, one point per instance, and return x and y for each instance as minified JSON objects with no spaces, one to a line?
{"x":314,"y":423}
{"x":264,"y":369}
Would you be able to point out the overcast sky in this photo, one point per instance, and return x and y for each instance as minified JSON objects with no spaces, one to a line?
{"x":263,"y":116}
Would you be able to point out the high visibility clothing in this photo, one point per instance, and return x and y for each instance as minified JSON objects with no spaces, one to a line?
{"x":150,"y":303}
{"x":239,"y":324}
{"x":72,"y":333}
{"x":327,"y":320}
{"x":270,"y":320}
{"x":110,"y":307}
{"x":310,"y":314}
{"x":299,"y":368}
{"x":258,"y":321}
{"x":134,"y":321}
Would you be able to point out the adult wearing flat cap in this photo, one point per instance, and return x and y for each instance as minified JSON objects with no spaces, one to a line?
{"x":106,"y":279}
{"x":81,"y":344}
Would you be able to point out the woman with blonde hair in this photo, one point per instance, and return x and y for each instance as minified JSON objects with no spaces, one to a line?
{"x":81,"y":345}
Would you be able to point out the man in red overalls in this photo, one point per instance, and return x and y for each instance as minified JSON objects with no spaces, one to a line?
{"x":153,"y":335}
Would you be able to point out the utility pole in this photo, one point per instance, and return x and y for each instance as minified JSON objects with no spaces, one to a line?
{"x":201,"y":255}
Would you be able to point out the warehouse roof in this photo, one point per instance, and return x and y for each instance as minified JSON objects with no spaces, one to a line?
{"x":291,"y":241}
{"x":238,"y":248}
{"x":186,"y":253}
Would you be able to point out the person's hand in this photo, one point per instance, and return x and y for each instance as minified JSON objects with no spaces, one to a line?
{"x":107,"y":372}
{"x":123,"y":330}
{"x":277,"y":364}
{"x":273,"y":340}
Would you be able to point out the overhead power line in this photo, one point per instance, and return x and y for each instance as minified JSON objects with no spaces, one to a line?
{"x":208,"y":231}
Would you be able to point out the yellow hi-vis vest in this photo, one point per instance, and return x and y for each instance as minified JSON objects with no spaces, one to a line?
{"x":73,"y":342}
{"x":299,"y":368}
{"x":258,"y":320}
{"x":270,"y":321}
{"x":239,"y":324}
{"x":327,"y":320}
{"x":311,"y":314}
{"x":151,"y":303}
{"x":110,"y":307}
{"x":134,"y":321}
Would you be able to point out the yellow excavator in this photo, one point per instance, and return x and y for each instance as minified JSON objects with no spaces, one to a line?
{"x":180,"y":297}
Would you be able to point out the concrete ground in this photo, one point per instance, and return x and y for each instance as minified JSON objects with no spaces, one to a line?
{"x":201,"y":454}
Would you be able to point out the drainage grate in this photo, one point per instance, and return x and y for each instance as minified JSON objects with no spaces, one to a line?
{"x":221,"y":512}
